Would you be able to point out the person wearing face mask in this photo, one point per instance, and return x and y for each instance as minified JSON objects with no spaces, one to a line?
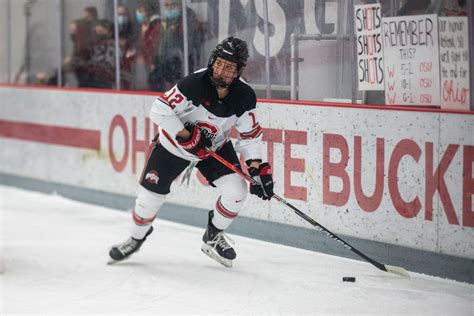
{"x":125,"y":26}
{"x":148,"y":28}
{"x":126,"y":45}
{"x":168,"y":57}
{"x":172,"y":10}
{"x":140,"y":15}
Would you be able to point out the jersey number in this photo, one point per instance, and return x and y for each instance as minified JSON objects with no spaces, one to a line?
{"x":177,"y":98}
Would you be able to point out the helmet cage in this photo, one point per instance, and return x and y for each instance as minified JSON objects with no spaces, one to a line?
{"x":231,"y":49}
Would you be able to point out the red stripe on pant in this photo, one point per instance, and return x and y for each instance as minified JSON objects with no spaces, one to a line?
{"x":151,"y":147}
{"x":142,"y":221}
{"x":221,"y":209}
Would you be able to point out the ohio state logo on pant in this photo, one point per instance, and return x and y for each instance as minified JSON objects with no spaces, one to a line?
{"x":152,"y":177}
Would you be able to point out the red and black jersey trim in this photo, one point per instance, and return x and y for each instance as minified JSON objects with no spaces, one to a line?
{"x":256,"y":132}
{"x":223,"y":211}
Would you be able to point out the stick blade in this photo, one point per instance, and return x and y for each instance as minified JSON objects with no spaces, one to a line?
{"x":397,"y":270}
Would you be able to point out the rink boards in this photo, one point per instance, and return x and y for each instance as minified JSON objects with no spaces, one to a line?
{"x":397,"y":176}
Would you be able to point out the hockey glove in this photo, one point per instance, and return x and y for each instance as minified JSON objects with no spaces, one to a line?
{"x":263,"y":176}
{"x":196,"y":144}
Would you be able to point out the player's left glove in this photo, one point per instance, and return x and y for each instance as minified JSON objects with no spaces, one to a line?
{"x":263,"y":176}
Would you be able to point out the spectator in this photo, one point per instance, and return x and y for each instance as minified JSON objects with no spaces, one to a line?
{"x":101,"y":66}
{"x":80,"y":34}
{"x":47,"y":78}
{"x":462,"y":8}
{"x":148,"y":25}
{"x":125,"y":25}
{"x":126,"y":44}
{"x":90,"y":15}
{"x":168,"y":56}
{"x":454,"y":8}
{"x":41,"y":78}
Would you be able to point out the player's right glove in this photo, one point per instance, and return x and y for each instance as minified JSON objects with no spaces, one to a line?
{"x":263,"y":176}
{"x":196,"y":144}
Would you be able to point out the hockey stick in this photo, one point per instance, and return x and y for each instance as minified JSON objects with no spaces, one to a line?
{"x":387,"y":268}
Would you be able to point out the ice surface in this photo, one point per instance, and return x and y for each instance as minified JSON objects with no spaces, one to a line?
{"x":54,"y":254}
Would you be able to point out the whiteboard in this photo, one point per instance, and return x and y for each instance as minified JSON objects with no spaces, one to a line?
{"x":369,"y":48}
{"x":454,"y":62}
{"x":411,"y":60}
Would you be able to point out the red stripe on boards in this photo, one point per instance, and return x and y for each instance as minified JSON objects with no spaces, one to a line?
{"x":50,"y":134}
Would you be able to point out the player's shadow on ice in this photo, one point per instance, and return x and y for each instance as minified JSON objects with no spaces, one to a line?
{"x":171,"y":268}
{"x":125,"y":264}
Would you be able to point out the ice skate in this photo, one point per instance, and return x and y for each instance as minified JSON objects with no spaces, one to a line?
{"x":124,"y":250}
{"x":215,"y":244}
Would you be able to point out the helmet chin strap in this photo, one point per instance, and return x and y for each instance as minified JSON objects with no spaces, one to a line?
{"x":218,"y":83}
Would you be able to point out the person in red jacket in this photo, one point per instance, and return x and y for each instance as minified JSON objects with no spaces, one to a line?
{"x":147,"y":31}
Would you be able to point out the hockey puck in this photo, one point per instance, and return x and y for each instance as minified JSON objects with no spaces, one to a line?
{"x":349,"y":279}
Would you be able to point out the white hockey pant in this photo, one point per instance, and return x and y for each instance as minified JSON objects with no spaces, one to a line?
{"x":146,"y":208}
{"x":233,"y":192}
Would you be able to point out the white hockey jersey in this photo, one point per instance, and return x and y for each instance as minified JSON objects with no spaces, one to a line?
{"x":194,"y":100}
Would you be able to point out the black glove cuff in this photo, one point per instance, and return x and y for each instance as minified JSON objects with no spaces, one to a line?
{"x":253,"y":171}
{"x":249,"y":162}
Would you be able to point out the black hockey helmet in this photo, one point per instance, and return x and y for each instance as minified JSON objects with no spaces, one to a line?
{"x":232,"y":49}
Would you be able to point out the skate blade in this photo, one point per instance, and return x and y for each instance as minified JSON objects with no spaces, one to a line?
{"x":113,"y":261}
{"x":211,"y":253}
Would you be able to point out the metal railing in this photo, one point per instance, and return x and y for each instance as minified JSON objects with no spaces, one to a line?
{"x":295,"y":59}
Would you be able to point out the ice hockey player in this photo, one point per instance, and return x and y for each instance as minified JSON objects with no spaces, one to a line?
{"x":199,"y":113}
